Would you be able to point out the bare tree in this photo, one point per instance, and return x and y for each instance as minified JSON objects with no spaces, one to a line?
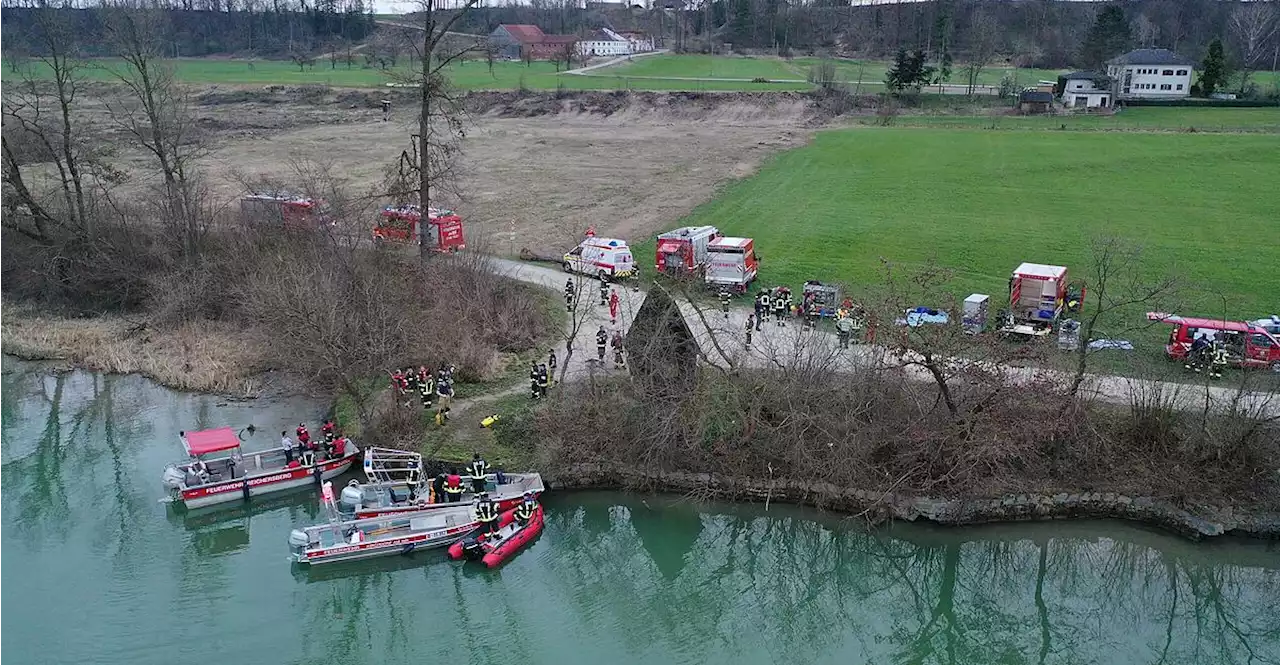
{"x":45,"y":117}
{"x":1118,"y":282}
{"x":1252,"y":25}
{"x":984,"y":39}
{"x":440,"y":112}
{"x":156,"y":113}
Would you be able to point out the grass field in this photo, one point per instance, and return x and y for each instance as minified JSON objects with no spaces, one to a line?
{"x":980,"y":202}
{"x":1136,"y":118}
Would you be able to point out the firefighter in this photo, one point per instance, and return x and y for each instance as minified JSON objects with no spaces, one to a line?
{"x":444,"y":391}
{"x":618,"y":362}
{"x":533,"y":380}
{"x":604,"y":289}
{"x":551,"y":363}
{"x":1217,"y":360}
{"x":486,"y":513}
{"x":427,"y":391}
{"x":410,"y":380}
{"x":751,"y":327}
{"x":811,"y":315}
{"x":1196,"y":354}
{"x":479,"y":469}
{"x":762,"y":308}
{"x":544,"y":380}
{"x":327,"y":429}
{"x":725,"y":299}
{"x":602,"y":342}
{"x":525,"y":511}
{"x":304,"y":437}
{"x":568,"y":295}
{"x":779,"y":308}
{"x":453,"y":488}
{"x":437,"y":488}
{"x":788,"y":304}
{"x":386,"y":109}
{"x":613,"y":307}
{"x":844,"y":330}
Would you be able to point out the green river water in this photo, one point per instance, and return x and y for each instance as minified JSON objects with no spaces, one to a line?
{"x":97,"y":570}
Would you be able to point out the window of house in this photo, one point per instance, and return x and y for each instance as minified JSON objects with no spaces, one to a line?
{"x":1182,"y":72}
{"x":1179,"y":86}
{"x":1167,"y":72}
{"x":1166,"y":86}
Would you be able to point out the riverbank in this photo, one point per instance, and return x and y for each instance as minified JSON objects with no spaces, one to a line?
{"x":212,"y":357}
{"x":1190,"y":520}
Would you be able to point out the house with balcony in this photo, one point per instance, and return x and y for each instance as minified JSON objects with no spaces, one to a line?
{"x":1150,"y":73}
{"x":1084,"y":90}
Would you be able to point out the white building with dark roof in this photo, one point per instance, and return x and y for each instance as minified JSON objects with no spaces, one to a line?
{"x":1150,"y":73}
{"x":1085,"y":90}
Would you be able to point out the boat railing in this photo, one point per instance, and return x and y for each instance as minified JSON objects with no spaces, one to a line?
{"x":387,"y":465}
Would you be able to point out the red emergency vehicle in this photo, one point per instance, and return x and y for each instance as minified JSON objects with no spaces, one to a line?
{"x":282,"y":211}
{"x":1246,"y":344}
{"x":443,"y":230}
{"x":732,"y":263}
{"x":684,"y":250}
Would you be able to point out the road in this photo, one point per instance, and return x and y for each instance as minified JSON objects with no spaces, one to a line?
{"x":721,"y":339}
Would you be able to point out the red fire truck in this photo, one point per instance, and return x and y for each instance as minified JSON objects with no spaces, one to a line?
{"x":283,"y":211}
{"x":443,"y":230}
{"x":683,"y":251}
{"x":732,"y":263}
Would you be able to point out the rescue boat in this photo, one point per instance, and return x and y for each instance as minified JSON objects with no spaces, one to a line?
{"x":351,"y":540}
{"x":237,"y":475}
{"x":493,"y":551}
{"x":397,"y":486}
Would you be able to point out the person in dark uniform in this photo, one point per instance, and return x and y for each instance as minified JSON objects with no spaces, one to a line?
{"x":526,"y":509}
{"x":453,"y":487}
{"x":486,"y":513}
{"x":533,"y":380}
{"x":602,"y":343}
{"x":479,"y":469}
{"x":725,"y":299}
{"x":568,"y":295}
{"x":437,"y":488}
{"x":604,"y":289}
{"x":762,"y":308}
{"x":551,"y":364}
{"x":779,"y":308}
{"x":751,"y":327}
{"x":618,"y":360}
{"x":544,"y":380}
{"x":427,"y":391}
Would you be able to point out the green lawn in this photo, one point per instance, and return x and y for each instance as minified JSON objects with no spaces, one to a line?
{"x":1135,"y":118}
{"x":708,"y":66}
{"x":980,"y":202}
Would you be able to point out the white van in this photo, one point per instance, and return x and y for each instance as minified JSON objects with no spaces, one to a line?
{"x":602,"y":257}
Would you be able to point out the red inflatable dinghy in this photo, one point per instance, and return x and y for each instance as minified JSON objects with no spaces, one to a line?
{"x":493,"y":552}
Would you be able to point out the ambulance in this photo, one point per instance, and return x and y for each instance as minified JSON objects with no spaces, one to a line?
{"x":606,"y":258}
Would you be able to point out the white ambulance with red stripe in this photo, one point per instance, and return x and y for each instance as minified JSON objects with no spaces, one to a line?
{"x":607,"y":258}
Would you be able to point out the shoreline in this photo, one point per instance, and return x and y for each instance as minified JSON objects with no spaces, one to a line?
{"x":1207,"y":522}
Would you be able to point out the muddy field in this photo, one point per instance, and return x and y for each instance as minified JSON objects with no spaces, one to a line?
{"x":536,"y":170}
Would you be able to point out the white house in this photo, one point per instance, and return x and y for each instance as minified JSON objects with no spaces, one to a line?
{"x":1150,"y":73}
{"x":1087,"y":90}
{"x":604,"y":42}
{"x":640,"y":42}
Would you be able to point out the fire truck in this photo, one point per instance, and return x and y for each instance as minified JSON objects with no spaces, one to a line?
{"x":283,"y":211}
{"x":442,"y":232}
{"x":731,"y":262}
{"x":683,"y":251}
{"x":1038,"y":296}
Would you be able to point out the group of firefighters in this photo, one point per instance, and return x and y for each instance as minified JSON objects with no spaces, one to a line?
{"x":431,"y":387}
{"x":450,"y":488}
{"x":1207,"y":353}
{"x":309,"y":451}
{"x":850,"y":319}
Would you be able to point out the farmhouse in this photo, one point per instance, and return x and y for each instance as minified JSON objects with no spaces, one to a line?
{"x":514,"y":41}
{"x":1150,"y":73}
{"x":1085,"y":90}
{"x":640,"y":42}
{"x":604,"y":42}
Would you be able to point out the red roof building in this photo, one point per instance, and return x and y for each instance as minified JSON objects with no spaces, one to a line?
{"x":514,"y":41}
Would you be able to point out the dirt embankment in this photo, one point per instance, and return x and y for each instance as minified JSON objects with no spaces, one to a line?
{"x":807,"y":108}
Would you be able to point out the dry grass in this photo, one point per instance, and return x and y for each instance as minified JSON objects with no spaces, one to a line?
{"x":213,"y":358}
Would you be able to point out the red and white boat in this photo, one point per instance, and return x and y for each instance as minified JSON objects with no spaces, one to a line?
{"x":494,"y":549}
{"x":397,"y":486}
{"x":237,"y":475}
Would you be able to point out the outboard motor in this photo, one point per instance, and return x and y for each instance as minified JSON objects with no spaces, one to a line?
{"x":297,"y":542}
{"x":173,"y":477}
{"x":352,"y":498}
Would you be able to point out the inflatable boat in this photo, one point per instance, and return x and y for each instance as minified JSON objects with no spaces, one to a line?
{"x":494,"y":550}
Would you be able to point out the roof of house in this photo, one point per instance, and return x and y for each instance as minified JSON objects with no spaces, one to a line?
{"x":1085,"y":76}
{"x":603,"y":36}
{"x":523,"y":33}
{"x":1035,"y":96}
{"x":1150,"y":56}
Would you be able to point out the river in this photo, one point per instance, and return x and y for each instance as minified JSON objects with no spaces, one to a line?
{"x":97,"y":570}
